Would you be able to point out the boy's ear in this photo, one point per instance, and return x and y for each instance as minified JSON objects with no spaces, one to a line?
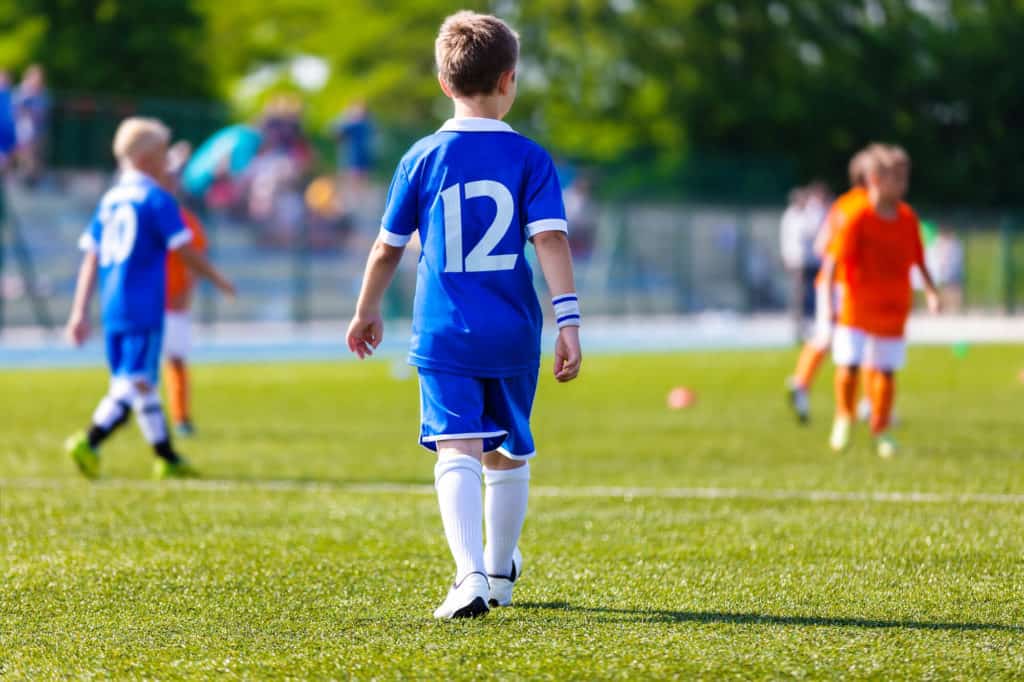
{"x":445,"y":88}
{"x":506,"y":80}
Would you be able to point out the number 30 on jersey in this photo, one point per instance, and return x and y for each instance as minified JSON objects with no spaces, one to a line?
{"x":479,"y":259}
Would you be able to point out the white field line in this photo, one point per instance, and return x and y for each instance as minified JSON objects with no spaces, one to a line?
{"x":583,"y":492}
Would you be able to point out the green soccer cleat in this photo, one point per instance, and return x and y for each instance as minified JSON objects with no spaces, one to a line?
{"x":162,"y":469}
{"x":839,"y":440}
{"x":885,"y":445}
{"x":81,"y":453}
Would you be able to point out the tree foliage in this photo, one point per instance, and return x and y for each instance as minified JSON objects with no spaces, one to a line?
{"x":669,"y":95}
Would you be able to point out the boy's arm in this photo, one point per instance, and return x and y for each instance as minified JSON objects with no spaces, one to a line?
{"x":931,"y":294}
{"x":78,"y":322}
{"x":201,"y":265}
{"x":556,"y":263}
{"x":366,"y":330}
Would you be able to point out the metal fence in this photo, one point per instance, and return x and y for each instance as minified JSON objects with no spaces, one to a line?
{"x":640,"y":259}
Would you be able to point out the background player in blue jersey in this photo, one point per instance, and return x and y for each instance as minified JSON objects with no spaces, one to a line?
{"x":125,"y":247}
{"x":476,"y":192}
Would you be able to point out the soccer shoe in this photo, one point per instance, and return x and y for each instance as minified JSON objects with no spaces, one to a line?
{"x":185,"y":429}
{"x":84,"y":457}
{"x":800,"y":403}
{"x":501,"y":585}
{"x":467,"y":599}
{"x":885,"y":445}
{"x":839,"y":440}
{"x":181,"y":469}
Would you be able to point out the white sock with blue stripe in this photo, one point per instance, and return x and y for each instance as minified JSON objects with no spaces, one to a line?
{"x":457,"y":480}
{"x":507,"y":491}
{"x":150,"y":415}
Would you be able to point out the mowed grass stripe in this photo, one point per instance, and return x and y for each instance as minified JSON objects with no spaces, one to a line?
{"x":584,"y":492}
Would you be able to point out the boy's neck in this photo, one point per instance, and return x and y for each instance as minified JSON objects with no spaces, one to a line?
{"x":478,"y":107}
{"x":883,"y":206}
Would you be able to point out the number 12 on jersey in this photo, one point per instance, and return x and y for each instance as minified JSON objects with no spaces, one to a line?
{"x":479,"y":259}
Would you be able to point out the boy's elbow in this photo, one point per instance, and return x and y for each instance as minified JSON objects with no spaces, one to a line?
{"x":550,"y":238}
{"x":387,"y":253}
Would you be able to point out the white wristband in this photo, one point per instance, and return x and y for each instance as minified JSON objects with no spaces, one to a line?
{"x":567,"y":310}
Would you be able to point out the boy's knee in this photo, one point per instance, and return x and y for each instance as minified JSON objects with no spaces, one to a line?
{"x":496,"y":461}
{"x":142,"y":387}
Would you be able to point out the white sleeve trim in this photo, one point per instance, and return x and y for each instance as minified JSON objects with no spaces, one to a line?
{"x":547,"y":225}
{"x":393,"y":238}
{"x":179,"y":240}
{"x":87,"y":243}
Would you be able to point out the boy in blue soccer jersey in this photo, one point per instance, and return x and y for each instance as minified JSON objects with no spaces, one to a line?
{"x":126,"y":246}
{"x":476,"y":191}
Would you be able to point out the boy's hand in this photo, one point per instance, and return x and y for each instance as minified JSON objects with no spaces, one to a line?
{"x":365,"y":333}
{"x":931,"y":297}
{"x":227,"y":288}
{"x":568,"y":356}
{"x":77,"y":330}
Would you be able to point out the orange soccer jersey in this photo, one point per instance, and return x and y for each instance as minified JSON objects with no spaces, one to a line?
{"x":179,"y":277}
{"x":876,"y":255}
{"x":845,"y":206}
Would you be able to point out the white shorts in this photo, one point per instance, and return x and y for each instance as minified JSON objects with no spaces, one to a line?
{"x":177,"y":334}
{"x":855,"y":347}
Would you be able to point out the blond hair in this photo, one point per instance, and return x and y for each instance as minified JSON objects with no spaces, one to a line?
{"x":473,"y":50}
{"x":858,"y":168}
{"x":880,"y":157}
{"x":137,"y":137}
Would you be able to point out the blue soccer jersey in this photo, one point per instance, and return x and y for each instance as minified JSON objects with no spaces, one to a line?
{"x":476,"y":191}
{"x":135,"y":225}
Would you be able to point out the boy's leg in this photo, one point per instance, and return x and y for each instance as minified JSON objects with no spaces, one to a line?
{"x":111,"y":412}
{"x":883,"y":388}
{"x":847,"y":352}
{"x":457,"y":479}
{"x":177,"y":343}
{"x":506,"y":494}
{"x":177,"y":390}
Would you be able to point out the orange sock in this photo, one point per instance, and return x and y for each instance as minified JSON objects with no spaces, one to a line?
{"x":846,"y":391}
{"x":807,"y":365}
{"x":177,"y":390}
{"x":883,"y":389}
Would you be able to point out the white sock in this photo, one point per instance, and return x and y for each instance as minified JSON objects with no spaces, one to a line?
{"x":457,"y":480}
{"x":150,"y":415}
{"x":504,"y":512}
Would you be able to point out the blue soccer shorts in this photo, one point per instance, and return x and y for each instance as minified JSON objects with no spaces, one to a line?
{"x":494,"y":410}
{"x":135,"y":356}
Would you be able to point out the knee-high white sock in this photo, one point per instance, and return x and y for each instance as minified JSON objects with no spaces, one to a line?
{"x":504,"y":512}
{"x":111,"y":413}
{"x":457,"y":480}
{"x":150,"y":415}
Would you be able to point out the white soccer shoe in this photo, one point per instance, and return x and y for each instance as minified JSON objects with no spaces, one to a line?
{"x":467,"y":599}
{"x":501,"y":585}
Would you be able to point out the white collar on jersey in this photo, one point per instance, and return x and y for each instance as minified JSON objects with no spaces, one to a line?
{"x":475,"y":125}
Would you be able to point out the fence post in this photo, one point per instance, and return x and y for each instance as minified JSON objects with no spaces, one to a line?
{"x":1009,"y":274}
{"x":301,"y":274}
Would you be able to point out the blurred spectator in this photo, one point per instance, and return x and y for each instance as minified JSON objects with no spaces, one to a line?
{"x":945,"y":259}
{"x":582,"y":217}
{"x":276,"y":176}
{"x":353,"y":131}
{"x":8,"y":135}
{"x":803,"y":218}
{"x":32,"y":115}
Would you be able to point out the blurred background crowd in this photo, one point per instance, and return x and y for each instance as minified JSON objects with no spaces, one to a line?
{"x":676,"y":151}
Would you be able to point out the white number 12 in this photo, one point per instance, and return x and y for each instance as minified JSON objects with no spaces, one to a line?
{"x":480,"y":258}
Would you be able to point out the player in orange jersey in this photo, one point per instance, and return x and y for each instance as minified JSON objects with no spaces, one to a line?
{"x":177,"y":317}
{"x":814,"y":350}
{"x":875,"y":251}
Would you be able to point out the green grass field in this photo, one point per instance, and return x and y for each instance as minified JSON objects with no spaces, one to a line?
{"x":314,"y":550}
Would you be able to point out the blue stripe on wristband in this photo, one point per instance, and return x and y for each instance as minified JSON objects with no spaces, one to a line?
{"x":566,"y":318}
{"x":564,"y":299}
